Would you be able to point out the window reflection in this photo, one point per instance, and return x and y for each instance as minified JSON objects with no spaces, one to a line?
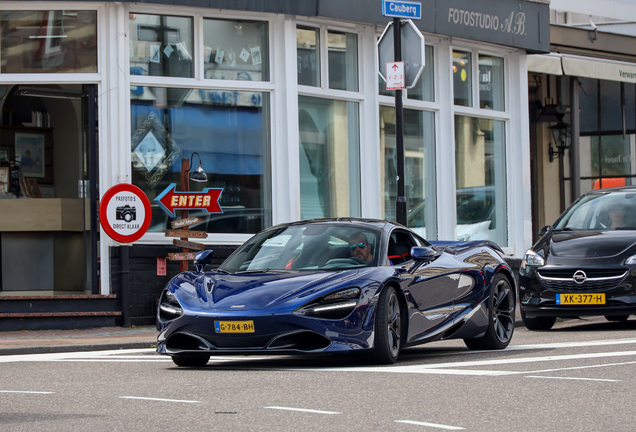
{"x":49,"y":41}
{"x":343,"y":60}
{"x":419,"y":168}
{"x":491,"y":83}
{"x":229,"y":130}
{"x":236,"y":49}
{"x":161,"y":45}
{"x":462,"y":78}
{"x":308,"y":56}
{"x":424,"y":89}
{"x":481,"y":179}
{"x":329,"y":158}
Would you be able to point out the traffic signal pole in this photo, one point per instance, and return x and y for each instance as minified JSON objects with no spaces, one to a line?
{"x":400,"y":203}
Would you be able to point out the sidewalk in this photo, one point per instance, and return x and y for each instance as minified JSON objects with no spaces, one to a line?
{"x":50,"y":341}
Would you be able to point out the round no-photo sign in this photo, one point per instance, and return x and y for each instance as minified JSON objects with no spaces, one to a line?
{"x":124,"y":213}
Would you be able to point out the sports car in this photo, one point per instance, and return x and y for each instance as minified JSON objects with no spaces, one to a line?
{"x":584,"y":264}
{"x":338,"y":286}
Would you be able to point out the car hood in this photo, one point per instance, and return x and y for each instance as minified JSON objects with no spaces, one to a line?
{"x":263,"y":290}
{"x":590,"y":244}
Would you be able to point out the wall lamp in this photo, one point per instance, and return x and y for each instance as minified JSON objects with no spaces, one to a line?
{"x":198,"y":175}
{"x":561,"y":135}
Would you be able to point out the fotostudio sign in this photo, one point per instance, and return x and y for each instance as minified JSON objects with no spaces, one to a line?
{"x":513,"y":23}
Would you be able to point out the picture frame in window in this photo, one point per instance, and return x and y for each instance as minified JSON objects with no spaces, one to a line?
{"x":30,"y":153}
{"x":4,"y":180}
{"x":153,"y":151}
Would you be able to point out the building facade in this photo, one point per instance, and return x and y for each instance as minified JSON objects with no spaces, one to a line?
{"x":279,"y":102}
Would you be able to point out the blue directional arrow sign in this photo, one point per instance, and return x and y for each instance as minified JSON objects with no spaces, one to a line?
{"x":402,"y":9}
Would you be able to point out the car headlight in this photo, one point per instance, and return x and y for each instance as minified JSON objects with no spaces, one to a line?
{"x":336,"y":305}
{"x":169,"y":306}
{"x":532,"y":259}
{"x":631,"y":260}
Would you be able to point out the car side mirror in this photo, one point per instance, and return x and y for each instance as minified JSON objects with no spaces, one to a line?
{"x":201,"y":259}
{"x":423,"y":253}
{"x":544,"y":230}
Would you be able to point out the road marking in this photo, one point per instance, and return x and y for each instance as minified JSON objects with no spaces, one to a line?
{"x":435,"y":425}
{"x":70,"y":355}
{"x":113,"y":360}
{"x":26,"y":392}
{"x":572,"y":378}
{"x":158,"y":399}
{"x":582,"y":367}
{"x":303,"y":410}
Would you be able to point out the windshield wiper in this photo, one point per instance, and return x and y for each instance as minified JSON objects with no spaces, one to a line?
{"x":218,"y":270}
{"x":263,"y":270}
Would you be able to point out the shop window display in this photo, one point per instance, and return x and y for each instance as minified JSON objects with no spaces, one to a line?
{"x":60,"y":41}
{"x":236,"y":49}
{"x":230,"y":132}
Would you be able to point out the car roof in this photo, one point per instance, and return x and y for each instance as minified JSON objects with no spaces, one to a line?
{"x":371,"y":223}
{"x":618,"y":189}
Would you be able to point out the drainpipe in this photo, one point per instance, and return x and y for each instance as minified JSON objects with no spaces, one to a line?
{"x":575,"y":163}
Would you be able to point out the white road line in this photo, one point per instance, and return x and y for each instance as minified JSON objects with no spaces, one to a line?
{"x":624,"y":341}
{"x":77,"y":354}
{"x":572,"y":378}
{"x":158,"y":399}
{"x":302,"y":410}
{"x":581,"y":367}
{"x":113,"y":360}
{"x":435,"y":425}
{"x":26,"y":392}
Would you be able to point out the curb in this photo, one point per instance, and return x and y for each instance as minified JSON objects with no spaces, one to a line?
{"x":44,"y":349}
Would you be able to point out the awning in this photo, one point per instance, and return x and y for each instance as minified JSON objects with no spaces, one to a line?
{"x":580,"y":66}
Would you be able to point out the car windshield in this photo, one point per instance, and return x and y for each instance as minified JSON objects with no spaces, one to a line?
{"x":616,"y":210}
{"x":316,"y":246}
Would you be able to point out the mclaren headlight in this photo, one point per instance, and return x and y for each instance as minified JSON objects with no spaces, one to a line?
{"x":169,"y":306}
{"x":337,"y":305}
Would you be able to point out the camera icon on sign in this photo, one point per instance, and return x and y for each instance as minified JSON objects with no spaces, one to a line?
{"x":126,"y":213}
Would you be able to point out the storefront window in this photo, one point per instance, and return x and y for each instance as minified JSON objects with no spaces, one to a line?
{"x":329,"y":158}
{"x":308,"y":56}
{"x":230,"y":132}
{"x":343,"y":60}
{"x":419,"y":168}
{"x":491,"y":82}
{"x":462,"y":78}
{"x":161,"y":45}
{"x":236,"y":49}
{"x":59,"y":41}
{"x":424,"y":89}
{"x":481,"y":179}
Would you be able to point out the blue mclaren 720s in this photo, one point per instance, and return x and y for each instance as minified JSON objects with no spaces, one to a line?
{"x":338,"y":286}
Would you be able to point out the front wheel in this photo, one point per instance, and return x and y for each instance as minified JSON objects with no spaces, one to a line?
{"x":538,"y":323}
{"x":388,"y":327}
{"x":196,"y":360}
{"x":501,"y":317}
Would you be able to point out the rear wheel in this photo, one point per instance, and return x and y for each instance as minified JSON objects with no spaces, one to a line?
{"x":501,"y":317}
{"x":538,"y":323}
{"x":196,"y":360}
{"x":388,"y":327}
{"x":617,"y":317}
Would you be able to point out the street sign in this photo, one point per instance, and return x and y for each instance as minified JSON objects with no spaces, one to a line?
{"x":188,"y":245}
{"x":413,"y":52}
{"x":207,"y":200}
{"x":185,"y":234}
{"x":402,"y":9}
{"x":395,"y":76}
{"x":184,"y":222}
{"x":124,"y":213}
{"x":181,"y":256}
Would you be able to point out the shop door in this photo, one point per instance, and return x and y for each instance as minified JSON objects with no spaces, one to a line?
{"x":48,"y":148}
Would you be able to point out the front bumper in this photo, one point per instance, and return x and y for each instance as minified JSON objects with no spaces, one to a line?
{"x":537,"y":296}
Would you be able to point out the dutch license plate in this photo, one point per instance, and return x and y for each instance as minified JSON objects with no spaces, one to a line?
{"x":234,"y":326}
{"x":580,"y":299}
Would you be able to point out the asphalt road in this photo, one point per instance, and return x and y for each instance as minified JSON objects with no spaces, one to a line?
{"x":579,"y":376}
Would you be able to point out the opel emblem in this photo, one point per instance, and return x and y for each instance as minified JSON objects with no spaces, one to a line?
{"x":579,"y":277}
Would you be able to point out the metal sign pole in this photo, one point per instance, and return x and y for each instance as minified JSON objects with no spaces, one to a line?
{"x":400,"y":203}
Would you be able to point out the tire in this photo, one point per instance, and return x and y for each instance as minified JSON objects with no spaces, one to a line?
{"x":619,"y":318}
{"x":196,"y":360}
{"x":388,"y":328}
{"x":538,"y":323}
{"x":501,"y":317}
